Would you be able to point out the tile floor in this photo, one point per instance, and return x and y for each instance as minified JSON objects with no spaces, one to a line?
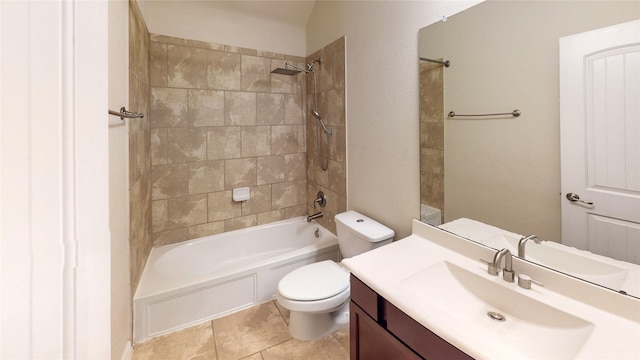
{"x":257,"y":333}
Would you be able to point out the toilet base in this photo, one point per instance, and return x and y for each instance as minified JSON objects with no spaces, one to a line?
{"x":308,"y":326}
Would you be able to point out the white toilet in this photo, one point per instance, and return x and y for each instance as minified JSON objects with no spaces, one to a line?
{"x":317,"y":295}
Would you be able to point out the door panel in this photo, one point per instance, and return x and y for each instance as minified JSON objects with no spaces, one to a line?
{"x":612,"y":119}
{"x":600,"y":140}
{"x":623,"y":235}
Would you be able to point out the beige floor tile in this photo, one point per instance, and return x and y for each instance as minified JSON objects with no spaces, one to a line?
{"x":342,"y":336}
{"x":192,"y":343}
{"x":249,"y":331}
{"x":327,"y":348}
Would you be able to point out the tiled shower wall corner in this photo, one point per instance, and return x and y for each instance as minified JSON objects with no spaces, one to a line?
{"x":432,"y":136}
{"x":330,"y":74}
{"x":139,"y":146}
{"x":220,"y":120}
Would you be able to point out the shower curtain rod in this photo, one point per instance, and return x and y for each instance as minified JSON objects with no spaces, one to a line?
{"x":446,"y":63}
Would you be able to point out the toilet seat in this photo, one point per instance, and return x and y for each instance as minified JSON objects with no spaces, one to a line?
{"x":315,"y":288}
{"x":314,"y":282}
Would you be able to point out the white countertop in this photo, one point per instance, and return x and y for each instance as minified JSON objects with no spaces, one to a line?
{"x":614,"y":336}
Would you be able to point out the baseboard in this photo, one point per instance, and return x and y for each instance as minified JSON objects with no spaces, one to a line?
{"x":127,"y":352}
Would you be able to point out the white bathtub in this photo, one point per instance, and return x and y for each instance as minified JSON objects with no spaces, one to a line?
{"x":193,"y":281}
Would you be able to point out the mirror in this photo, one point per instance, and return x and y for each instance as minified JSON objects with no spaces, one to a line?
{"x":502,"y":170}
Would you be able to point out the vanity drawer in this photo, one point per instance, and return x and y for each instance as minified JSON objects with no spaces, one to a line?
{"x":417,"y":337}
{"x":366,"y":298}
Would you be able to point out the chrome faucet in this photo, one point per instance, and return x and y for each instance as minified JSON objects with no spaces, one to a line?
{"x":494,"y":267}
{"x":315,"y":216}
{"x":523,"y":242}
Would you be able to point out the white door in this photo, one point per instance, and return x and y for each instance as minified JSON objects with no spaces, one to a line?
{"x":55,"y":248}
{"x":600,"y":140}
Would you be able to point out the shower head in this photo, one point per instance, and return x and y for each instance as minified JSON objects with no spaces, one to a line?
{"x":324,"y":127}
{"x":289,"y":69}
{"x":285,"y":71}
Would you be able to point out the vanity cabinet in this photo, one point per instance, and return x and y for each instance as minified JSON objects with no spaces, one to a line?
{"x":379,"y":330}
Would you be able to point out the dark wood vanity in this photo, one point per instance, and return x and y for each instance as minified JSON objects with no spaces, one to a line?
{"x":379,"y":330}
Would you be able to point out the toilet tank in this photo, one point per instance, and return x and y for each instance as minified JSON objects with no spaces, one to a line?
{"x":358,"y":234}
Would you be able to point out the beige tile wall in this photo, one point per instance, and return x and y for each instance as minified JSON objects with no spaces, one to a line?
{"x":432,"y":135}
{"x":220,"y":120}
{"x":139,"y":146}
{"x":331,"y":107}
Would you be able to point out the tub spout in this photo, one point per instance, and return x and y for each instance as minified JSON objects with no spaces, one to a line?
{"x":315,"y":216}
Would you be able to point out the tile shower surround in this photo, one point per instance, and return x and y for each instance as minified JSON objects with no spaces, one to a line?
{"x":192,"y":146}
{"x":221,"y":120}
{"x":331,"y":106}
{"x":139,"y":147}
{"x":432,"y":135}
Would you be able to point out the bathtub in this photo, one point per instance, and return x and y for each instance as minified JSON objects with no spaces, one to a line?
{"x":190,"y":282}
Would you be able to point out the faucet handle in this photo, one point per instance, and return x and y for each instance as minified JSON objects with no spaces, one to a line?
{"x":321,"y":199}
{"x":491,"y":268}
{"x":525,"y":281}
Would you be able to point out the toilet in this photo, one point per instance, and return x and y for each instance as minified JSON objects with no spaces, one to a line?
{"x":317,"y":295}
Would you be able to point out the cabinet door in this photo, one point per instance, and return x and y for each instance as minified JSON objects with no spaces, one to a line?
{"x":370,"y":341}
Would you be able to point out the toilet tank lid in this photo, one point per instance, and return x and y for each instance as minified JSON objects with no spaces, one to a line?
{"x":367,"y":227}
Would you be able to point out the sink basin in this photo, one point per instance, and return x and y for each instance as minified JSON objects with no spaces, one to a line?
{"x":528,"y":326}
{"x":569,"y":261}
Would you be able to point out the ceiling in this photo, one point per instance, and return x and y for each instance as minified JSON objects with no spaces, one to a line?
{"x":294,"y":12}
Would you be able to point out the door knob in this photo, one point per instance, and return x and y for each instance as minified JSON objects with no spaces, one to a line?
{"x":573,"y":197}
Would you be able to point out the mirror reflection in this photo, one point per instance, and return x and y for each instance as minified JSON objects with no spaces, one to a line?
{"x":496,"y":179}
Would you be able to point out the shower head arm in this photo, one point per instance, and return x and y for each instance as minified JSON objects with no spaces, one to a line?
{"x":296,"y":67}
{"x":316,"y":60}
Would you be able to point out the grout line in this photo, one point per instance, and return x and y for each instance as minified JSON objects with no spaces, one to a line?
{"x":257,"y":352}
{"x":280,"y":311}
{"x":275,"y":345}
{"x":215,"y":344}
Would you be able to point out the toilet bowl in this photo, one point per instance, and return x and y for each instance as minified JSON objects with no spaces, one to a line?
{"x":317,"y":295}
{"x":314,"y":294}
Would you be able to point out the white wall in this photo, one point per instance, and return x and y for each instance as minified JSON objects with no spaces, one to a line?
{"x":54,"y":233}
{"x":91,"y":180}
{"x":382,"y":99}
{"x":119,"y":180}
{"x":217,"y":22}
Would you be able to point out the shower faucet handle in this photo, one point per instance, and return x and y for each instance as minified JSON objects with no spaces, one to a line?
{"x":321,"y":200}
